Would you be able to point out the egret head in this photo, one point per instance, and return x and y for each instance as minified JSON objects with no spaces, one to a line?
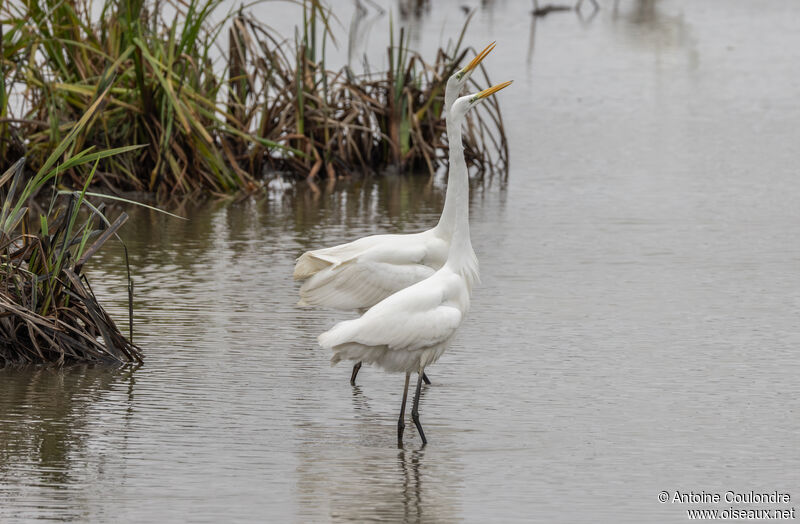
{"x":459,"y":79}
{"x":465,"y":103}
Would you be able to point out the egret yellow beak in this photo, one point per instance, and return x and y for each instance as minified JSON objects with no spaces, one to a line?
{"x":492,"y":90}
{"x":477,"y":60}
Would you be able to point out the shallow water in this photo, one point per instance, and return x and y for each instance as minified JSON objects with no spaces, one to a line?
{"x":636,"y":329}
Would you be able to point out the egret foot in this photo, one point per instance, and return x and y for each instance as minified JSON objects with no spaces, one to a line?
{"x":355,"y":373}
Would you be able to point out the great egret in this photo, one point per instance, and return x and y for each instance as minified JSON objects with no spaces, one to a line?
{"x":411,"y":329}
{"x":359,"y":274}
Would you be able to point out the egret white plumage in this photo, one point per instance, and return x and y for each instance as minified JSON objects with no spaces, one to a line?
{"x":412,"y":328}
{"x":359,"y":274}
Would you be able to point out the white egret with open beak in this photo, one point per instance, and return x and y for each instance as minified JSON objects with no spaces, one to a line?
{"x":412,"y":328}
{"x":359,"y":274}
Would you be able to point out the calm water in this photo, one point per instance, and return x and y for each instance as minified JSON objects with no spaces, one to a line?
{"x":636,"y":329}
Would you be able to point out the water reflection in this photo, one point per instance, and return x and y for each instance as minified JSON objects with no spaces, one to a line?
{"x":412,"y":483}
{"x":531,"y":43}
{"x":48,"y":422}
{"x":585,"y":12}
{"x":367,"y":483}
{"x":413,"y":9}
{"x":364,"y":477}
{"x":648,"y":26}
{"x":586,"y":15}
{"x":365,"y":15}
{"x":293,"y":214}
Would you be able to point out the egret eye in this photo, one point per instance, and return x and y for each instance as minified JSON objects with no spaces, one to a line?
{"x":459,"y":75}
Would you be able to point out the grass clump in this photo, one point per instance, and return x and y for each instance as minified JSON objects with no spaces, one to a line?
{"x":217,"y":119}
{"x":349,"y":123}
{"x":164,"y":93}
{"x":48,"y":312}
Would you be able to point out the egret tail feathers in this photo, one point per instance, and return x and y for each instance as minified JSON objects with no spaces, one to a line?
{"x":338,"y":334}
{"x":340,"y":339}
{"x":345,"y":286}
{"x":309,"y":264}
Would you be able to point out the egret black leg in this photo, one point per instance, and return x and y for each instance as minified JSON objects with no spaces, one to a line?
{"x":426,"y":379}
{"x":355,"y":373}
{"x":400,"y":422}
{"x":415,"y":410}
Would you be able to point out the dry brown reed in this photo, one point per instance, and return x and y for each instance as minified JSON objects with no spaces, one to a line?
{"x":274,"y":108}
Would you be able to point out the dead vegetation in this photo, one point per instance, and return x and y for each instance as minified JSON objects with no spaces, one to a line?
{"x":48,"y":311}
{"x":271,"y":108}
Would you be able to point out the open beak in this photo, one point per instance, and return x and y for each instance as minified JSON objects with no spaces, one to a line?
{"x":492,"y":90}
{"x":477,"y":60}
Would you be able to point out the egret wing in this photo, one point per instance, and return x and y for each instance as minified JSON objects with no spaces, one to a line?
{"x":414,"y":318}
{"x":312,"y":262}
{"x":364,"y":280}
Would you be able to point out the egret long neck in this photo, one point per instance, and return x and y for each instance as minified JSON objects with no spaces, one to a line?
{"x":456,"y":213}
{"x":457,"y":195}
{"x":450,"y":95}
